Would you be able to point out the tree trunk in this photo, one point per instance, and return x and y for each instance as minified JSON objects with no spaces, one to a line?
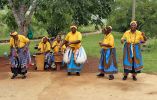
{"x":133,"y":9}
{"x":23,"y":28}
{"x":23,"y":16}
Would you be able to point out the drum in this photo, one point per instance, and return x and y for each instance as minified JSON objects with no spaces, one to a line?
{"x":58,"y":57}
{"x":40,"y":59}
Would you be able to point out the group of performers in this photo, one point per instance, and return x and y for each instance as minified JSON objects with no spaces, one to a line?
{"x":132,"y":58}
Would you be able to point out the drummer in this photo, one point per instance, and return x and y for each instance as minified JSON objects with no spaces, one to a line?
{"x":44,"y":47}
{"x":57,"y":52}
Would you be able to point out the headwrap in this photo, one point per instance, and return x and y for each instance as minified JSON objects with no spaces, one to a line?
{"x":73,"y":26}
{"x":13,"y":33}
{"x":43,"y":38}
{"x":107,"y":27}
{"x":135,"y":22}
{"x":110,"y":27}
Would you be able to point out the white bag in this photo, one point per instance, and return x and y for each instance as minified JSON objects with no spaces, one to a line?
{"x":81,"y":56}
{"x":67,"y":55}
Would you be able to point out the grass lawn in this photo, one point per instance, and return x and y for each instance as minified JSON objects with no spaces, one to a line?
{"x":92,"y":48}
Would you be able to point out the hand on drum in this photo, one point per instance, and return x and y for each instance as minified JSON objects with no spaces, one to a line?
{"x":39,"y":53}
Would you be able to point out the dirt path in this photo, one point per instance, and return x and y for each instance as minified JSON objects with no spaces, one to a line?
{"x":58,"y":86}
{"x":89,"y":87}
{"x":19,"y":89}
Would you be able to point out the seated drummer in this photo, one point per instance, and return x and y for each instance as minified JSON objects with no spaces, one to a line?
{"x":56,"y":44}
{"x":44,"y":47}
{"x":57,"y":52}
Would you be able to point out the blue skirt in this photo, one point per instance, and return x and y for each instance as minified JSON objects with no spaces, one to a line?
{"x":72,"y":66}
{"x":108,"y":62}
{"x":49,"y":59}
{"x":132,"y":61}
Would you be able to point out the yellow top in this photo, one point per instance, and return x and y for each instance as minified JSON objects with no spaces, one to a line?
{"x":133,"y":38}
{"x":20,"y":43}
{"x":44,"y":47}
{"x":109,"y":39}
{"x":56,"y":49}
{"x":70,"y":37}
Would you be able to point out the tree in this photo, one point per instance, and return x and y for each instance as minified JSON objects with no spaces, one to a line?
{"x":54,"y":15}
{"x":146,"y":16}
{"x":57,"y":15}
{"x":22,"y":11}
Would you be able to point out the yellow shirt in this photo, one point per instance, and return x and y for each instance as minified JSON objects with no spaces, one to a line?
{"x":109,"y":39}
{"x":70,"y":37}
{"x":56,"y":49}
{"x":44,"y":47}
{"x":20,"y":43}
{"x":133,"y":37}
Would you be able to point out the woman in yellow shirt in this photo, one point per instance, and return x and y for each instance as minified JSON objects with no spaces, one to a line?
{"x":45,"y":47}
{"x":108,"y":63}
{"x":73,"y":40}
{"x":19,"y":54}
{"x":132,"y":58}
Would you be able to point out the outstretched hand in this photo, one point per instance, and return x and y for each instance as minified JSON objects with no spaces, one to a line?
{"x":100,"y":43}
{"x":123,"y":40}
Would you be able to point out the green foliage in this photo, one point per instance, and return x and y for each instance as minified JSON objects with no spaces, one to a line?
{"x":3,"y":3}
{"x":10,"y":21}
{"x":4,"y":30}
{"x":121,"y":15}
{"x":54,"y":15}
{"x":58,"y":15}
{"x":146,"y":15}
{"x":85,"y":9}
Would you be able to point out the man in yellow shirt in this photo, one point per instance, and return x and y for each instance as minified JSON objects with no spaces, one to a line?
{"x":132,"y":58}
{"x":19,"y":54}
{"x":56,"y":45}
{"x":73,"y":40}
{"x":45,"y":47}
{"x":108,"y":63}
{"x":58,"y":54}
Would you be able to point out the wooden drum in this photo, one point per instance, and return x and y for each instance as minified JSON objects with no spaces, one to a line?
{"x":40,"y":59}
{"x":58,"y":57}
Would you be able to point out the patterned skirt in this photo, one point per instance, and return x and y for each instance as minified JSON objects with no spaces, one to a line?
{"x":19,"y":61}
{"x":108,"y":62}
{"x":132,"y":58}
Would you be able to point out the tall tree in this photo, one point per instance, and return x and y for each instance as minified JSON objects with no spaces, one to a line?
{"x":23,"y":11}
